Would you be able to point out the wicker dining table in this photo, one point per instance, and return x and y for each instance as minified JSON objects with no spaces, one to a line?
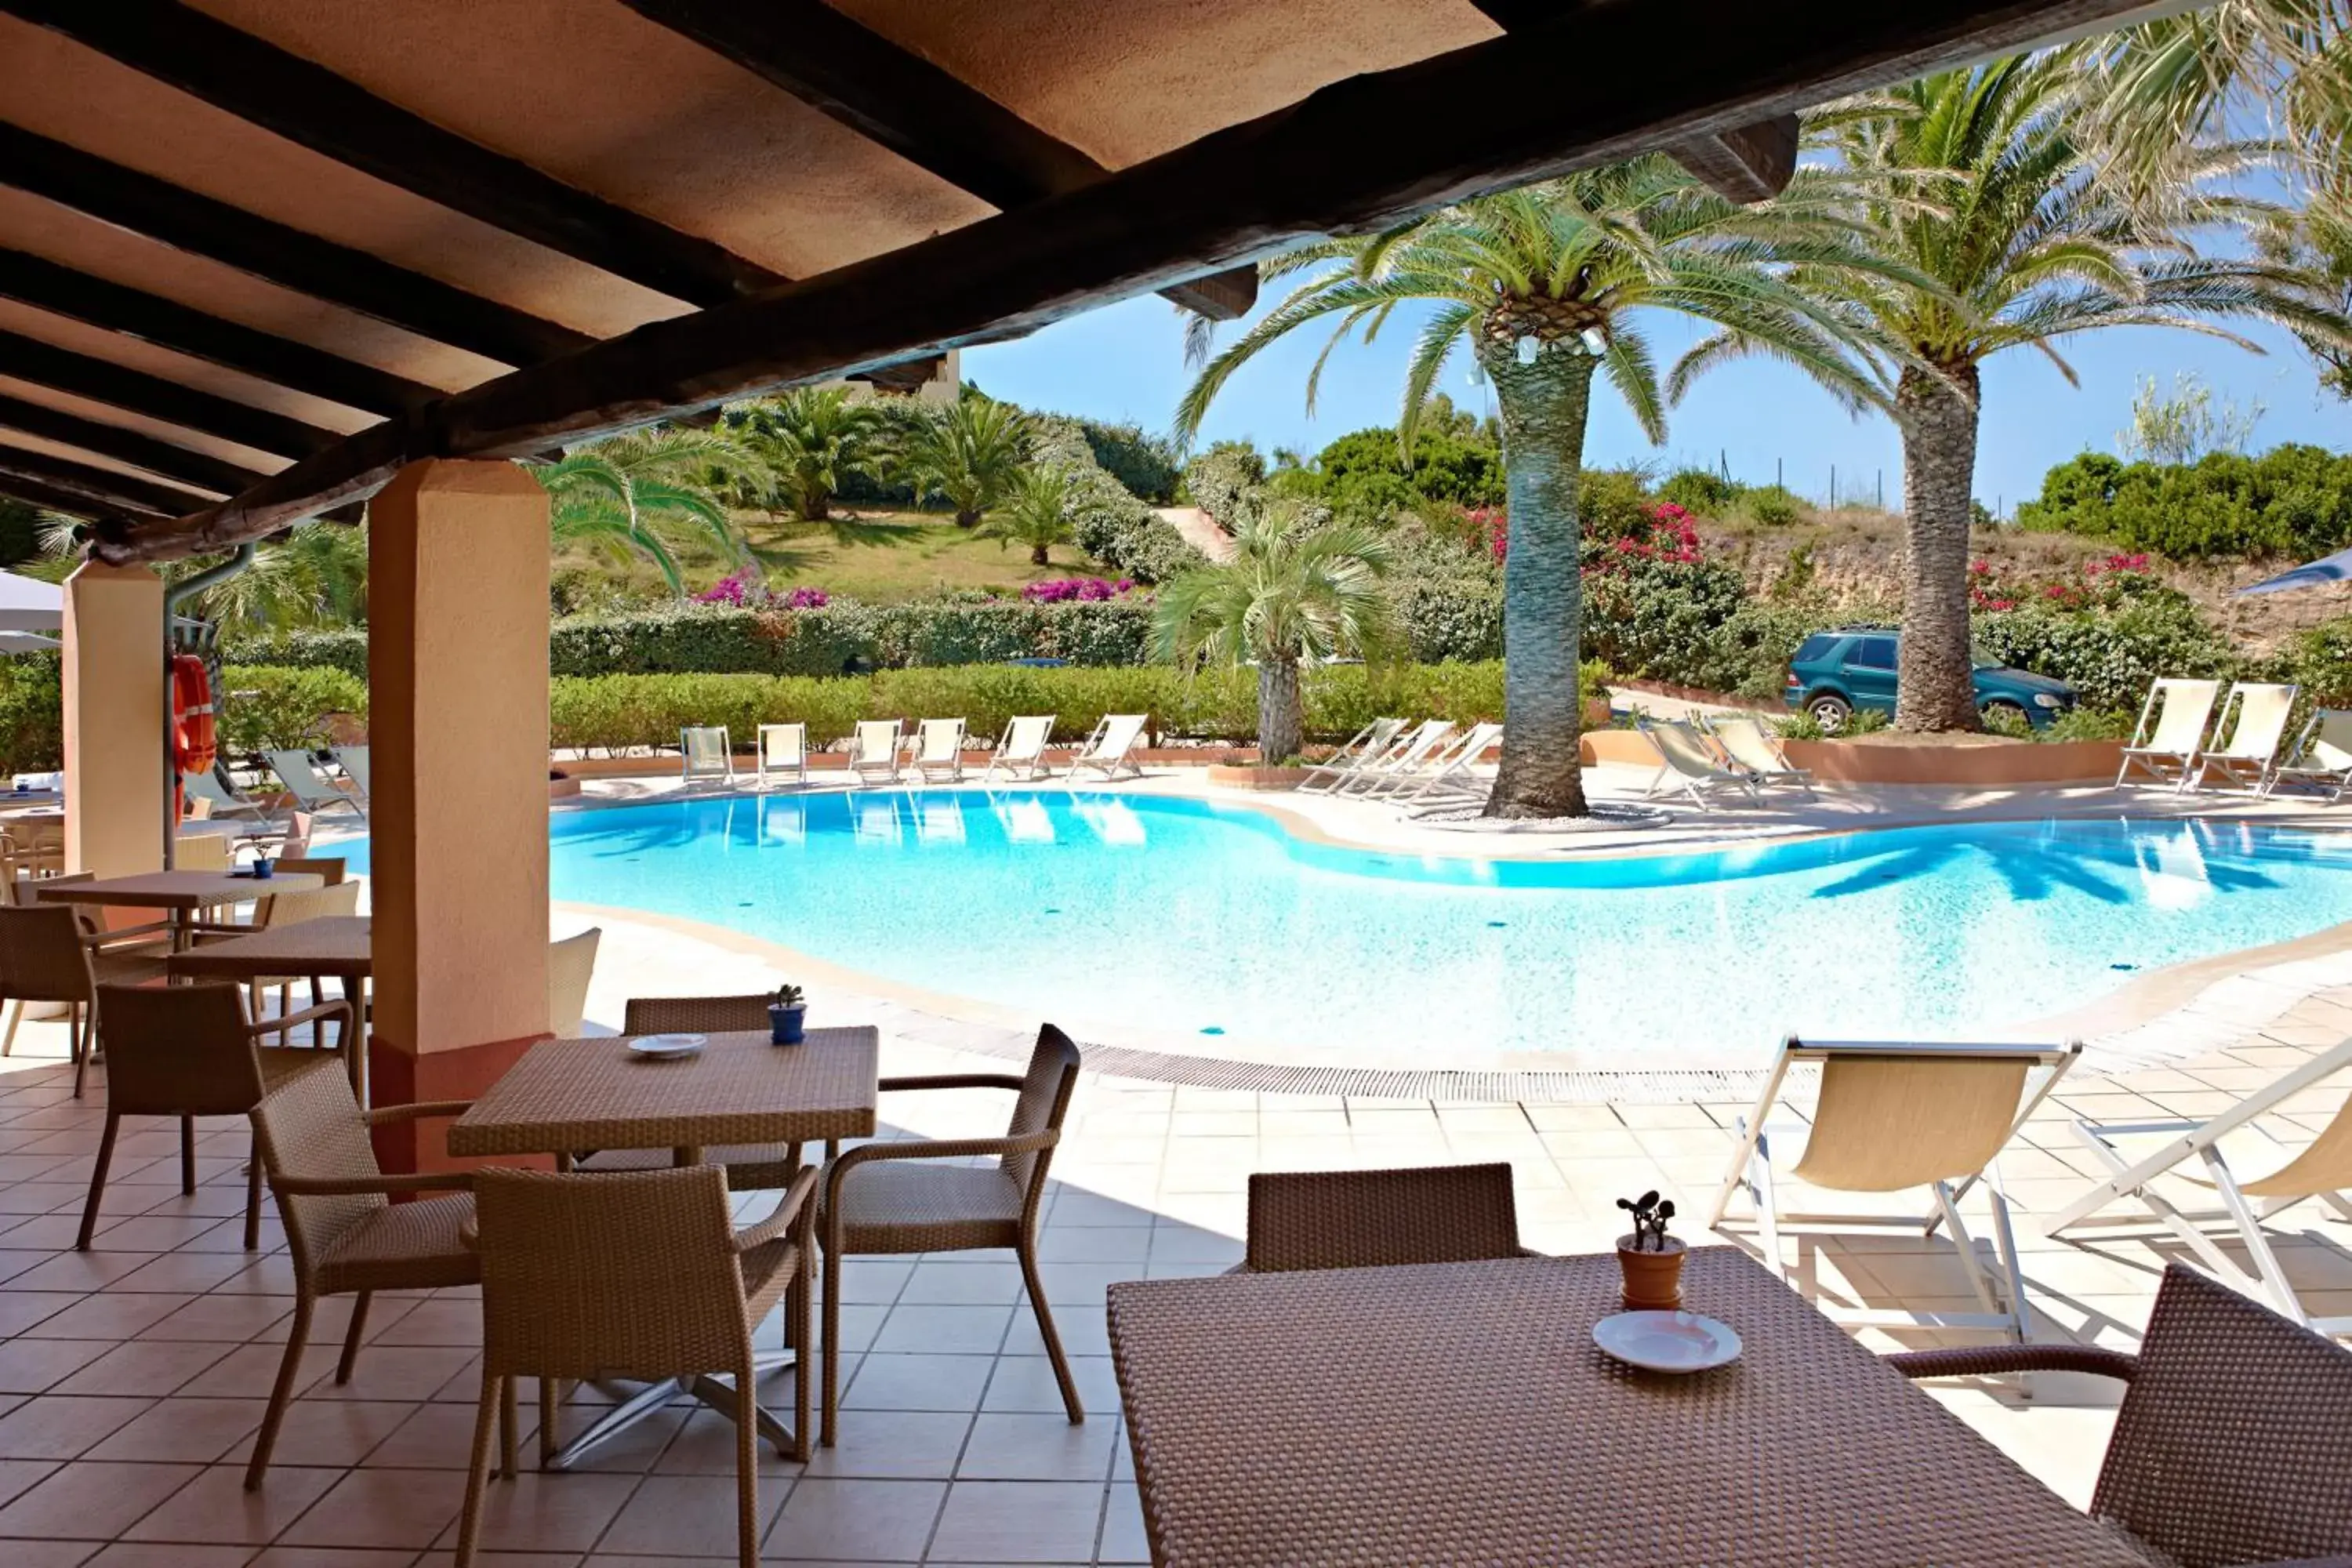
{"x":565,"y":1096}
{"x":335,"y":947}
{"x":1460,"y":1414}
{"x":183,"y":894}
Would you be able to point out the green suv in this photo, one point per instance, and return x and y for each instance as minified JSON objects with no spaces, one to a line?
{"x":1838,"y":671}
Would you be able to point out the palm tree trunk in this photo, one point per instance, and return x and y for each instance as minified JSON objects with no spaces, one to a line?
{"x":1281,"y":721}
{"x":1038,"y":556}
{"x":1543,"y":408}
{"x":1935,"y":687}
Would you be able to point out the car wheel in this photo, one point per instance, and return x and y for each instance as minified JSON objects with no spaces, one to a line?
{"x":2008,"y":713}
{"x":1830,"y":712}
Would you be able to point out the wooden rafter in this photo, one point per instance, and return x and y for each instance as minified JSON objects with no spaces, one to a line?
{"x":1212,"y":204}
{"x":136,"y":391}
{"x":926,"y":115}
{"x":288,"y":257}
{"x":49,"y":498}
{"x":172,"y":462}
{"x":102,"y":486}
{"x":38,"y":281}
{"x":313,"y":107}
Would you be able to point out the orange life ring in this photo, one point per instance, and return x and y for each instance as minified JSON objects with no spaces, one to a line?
{"x":194,"y":746}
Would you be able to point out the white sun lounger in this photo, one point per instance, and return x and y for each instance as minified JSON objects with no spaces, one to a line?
{"x":312,"y":791}
{"x":1894,"y":1116}
{"x":784,"y":752}
{"x":706,"y":752}
{"x":218,"y":800}
{"x":1755,"y":750}
{"x":1361,"y":747}
{"x":2164,"y":744}
{"x":1449,"y":773}
{"x":873,"y":749}
{"x":353,"y":761}
{"x":1687,"y":764}
{"x":2201,"y":1151}
{"x":1407,"y":758}
{"x":1107,"y":749}
{"x":2321,"y":758}
{"x":939,"y":752}
{"x":1021,"y":750}
{"x":2253,"y":717}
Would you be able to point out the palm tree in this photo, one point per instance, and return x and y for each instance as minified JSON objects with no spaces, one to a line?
{"x":1292,"y":593}
{"x":806,"y":444}
{"x":968,"y":453}
{"x":1035,"y":512}
{"x":1540,"y":283}
{"x":638,"y":493}
{"x":316,"y":576}
{"x":1975,"y":190}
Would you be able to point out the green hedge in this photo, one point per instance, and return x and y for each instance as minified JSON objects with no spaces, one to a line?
{"x":2291,"y":501}
{"x":1106,"y":518}
{"x":2110,"y":655}
{"x":32,"y":710}
{"x":266,"y":707}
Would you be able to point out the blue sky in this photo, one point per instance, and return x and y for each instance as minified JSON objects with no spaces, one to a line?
{"x":1126,"y":363}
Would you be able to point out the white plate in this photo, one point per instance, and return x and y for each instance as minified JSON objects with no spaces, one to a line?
{"x":667,"y":1045}
{"x":1667,"y":1341}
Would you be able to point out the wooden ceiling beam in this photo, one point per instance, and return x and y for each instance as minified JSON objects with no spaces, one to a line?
{"x":136,"y":391}
{"x":311,"y":107}
{"x":1224,"y":199}
{"x":103,"y":486}
{"x":38,"y":281}
{"x":1746,"y":164}
{"x":172,"y":462}
{"x":925,"y":114}
{"x":278,"y":253}
{"x":49,"y":498}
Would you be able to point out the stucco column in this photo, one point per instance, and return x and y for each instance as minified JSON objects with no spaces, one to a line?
{"x":458,"y":735}
{"x":114,"y":700}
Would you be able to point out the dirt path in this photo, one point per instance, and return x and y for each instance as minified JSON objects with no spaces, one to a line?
{"x":1199,"y":532}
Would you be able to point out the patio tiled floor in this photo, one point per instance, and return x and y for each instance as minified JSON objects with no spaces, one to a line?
{"x":131,"y":1377}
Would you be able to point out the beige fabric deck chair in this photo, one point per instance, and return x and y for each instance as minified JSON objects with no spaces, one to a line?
{"x":1755,"y":750}
{"x":939,"y":752}
{"x":2172,"y":730}
{"x":784,"y":752}
{"x":1448,"y":775}
{"x":2216,"y":1154}
{"x":1407,"y":758}
{"x":1894,"y":1116}
{"x":873,"y":749}
{"x":571,"y":965}
{"x":706,"y":751}
{"x":1687,"y":764}
{"x":353,"y":761}
{"x":1111,"y":746}
{"x":312,"y":791}
{"x":1021,"y":750}
{"x":1361,"y":747}
{"x":2253,"y":717}
{"x":2322,"y":759}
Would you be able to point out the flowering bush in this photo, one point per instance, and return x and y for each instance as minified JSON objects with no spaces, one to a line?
{"x":2102,"y":582}
{"x":1068,"y":590}
{"x":745,"y":589}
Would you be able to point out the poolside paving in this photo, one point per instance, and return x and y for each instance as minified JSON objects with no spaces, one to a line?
{"x":131,"y":1377}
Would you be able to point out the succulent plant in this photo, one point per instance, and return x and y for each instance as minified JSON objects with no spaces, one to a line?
{"x":1650,"y":1215}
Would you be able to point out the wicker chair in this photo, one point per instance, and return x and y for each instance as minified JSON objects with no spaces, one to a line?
{"x":2234,"y":1442}
{"x":639,"y":1275}
{"x":750,"y":1167}
{"x":190,"y":1051}
{"x":901,"y":1197}
{"x":571,"y":965}
{"x":200,"y":851}
{"x":1363,"y":1220}
{"x":49,"y":953}
{"x":345,"y":1236}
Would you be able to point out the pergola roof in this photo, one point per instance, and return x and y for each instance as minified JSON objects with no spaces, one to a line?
{"x":257,"y":254}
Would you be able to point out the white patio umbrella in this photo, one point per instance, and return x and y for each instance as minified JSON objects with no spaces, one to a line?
{"x":2335,"y":568}
{"x":29,"y":605}
{"x":27,"y":642}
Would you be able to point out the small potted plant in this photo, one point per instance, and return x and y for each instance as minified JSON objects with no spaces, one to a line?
{"x":787,"y":1015}
{"x":1652,"y":1260}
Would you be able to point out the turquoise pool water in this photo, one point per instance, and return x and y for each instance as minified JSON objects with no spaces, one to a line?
{"x":1205,"y":920}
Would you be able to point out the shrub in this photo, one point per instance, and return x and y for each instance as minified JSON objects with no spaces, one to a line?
{"x":1224,"y":483}
{"x":32,"y":714}
{"x":2321,"y":663}
{"x":266,"y":707}
{"x":1611,"y":503}
{"x":1365,"y":476}
{"x":1770,"y":506}
{"x":2291,"y":501}
{"x":1147,"y":465}
{"x":2090,"y":725}
{"x":2110,"y":655}
{"x":1107,"y":520}
{"x":345,"y":648}
{"x":1702,"y":491}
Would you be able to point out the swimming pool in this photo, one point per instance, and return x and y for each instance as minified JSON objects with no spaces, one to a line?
{"x":1187,"y":918}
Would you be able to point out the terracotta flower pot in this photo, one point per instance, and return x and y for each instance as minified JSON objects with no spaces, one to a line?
{"x":1653,"y":1281}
